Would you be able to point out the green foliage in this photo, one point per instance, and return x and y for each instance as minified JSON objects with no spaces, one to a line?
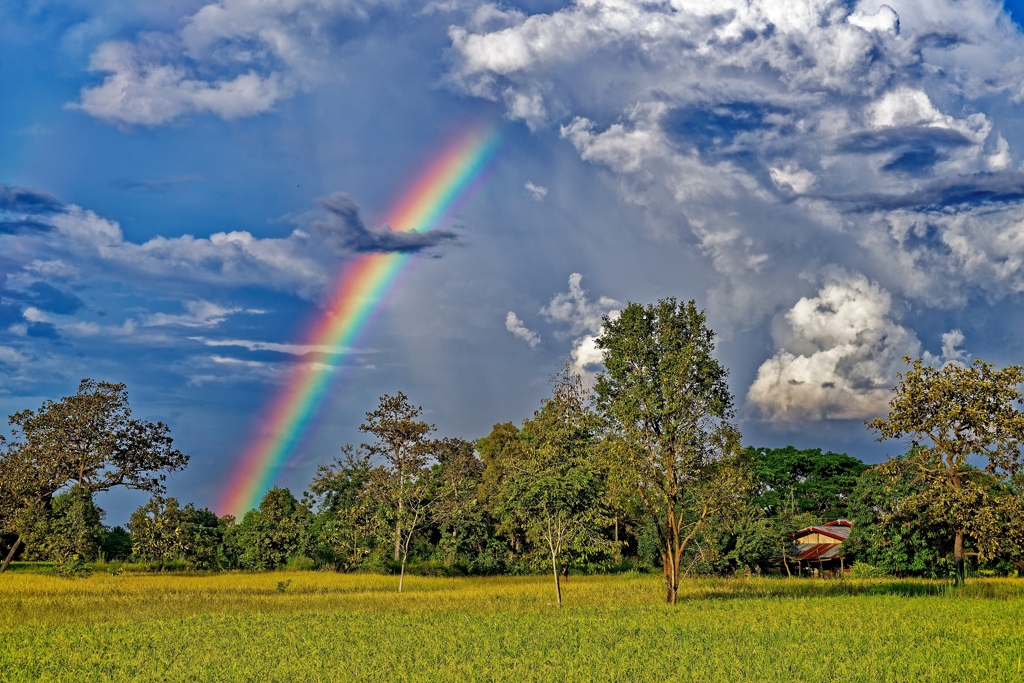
{"x":344,"y":529}
{"x":116,"y":544}
{"x":274,"y":533}
{"x":892,"y":535}
{"x":68,"y":534}
{"x":556,"y":493}
{"x":163,"y":532}
{"x":667,"y":406}
{"x":805,"y":480}
{"x":949,"y":415}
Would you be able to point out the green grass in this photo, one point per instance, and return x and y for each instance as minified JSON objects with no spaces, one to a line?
{"x":355,"y":627}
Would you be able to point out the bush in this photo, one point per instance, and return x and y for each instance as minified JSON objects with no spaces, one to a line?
{"x":863,"y":570}
{"x":300,"y":563}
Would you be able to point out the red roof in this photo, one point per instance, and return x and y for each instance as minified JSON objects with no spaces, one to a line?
{"x":839,"y":530}
{"x":817,"y":551}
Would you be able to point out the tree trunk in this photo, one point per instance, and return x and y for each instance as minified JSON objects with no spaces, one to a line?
{"x":671,"y":578}
{"x":958,"y":556}
{"x":785,"y":564}
{"x":558,"y":584}
{"x":673,"y":555}
{"x":10,"y":555}
{"x":398,"y":533}
{"x":401,"y":576}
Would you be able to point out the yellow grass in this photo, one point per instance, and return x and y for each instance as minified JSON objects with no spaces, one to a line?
{"x":322,"y":626}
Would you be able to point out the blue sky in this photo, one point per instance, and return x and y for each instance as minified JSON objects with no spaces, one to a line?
{"x":839,"y":183}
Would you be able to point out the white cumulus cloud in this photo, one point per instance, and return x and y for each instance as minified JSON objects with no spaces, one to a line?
{"x":839,"y":355}
{"x":231,"y":58}
{"x":581,"y":319}
{"x":520,"y":331}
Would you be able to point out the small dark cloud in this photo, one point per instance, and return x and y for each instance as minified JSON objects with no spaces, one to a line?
{"x":915,"y":160}
{"x":344,"y":228}
{"x":157,"y":185}
{"x":26,"y":200}
{"x":980,"y":188}
{"x":938,"y":40}
{"x":22,"y":225}
{"x":48,"y":298}
{"x":43,"y":331}
{"x":712,"y":130}
{"x":912,"y":149}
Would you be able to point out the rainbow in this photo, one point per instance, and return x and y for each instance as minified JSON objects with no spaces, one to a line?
{"x":437,"y":192}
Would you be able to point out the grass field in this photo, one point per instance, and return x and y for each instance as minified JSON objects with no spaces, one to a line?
{"x":307,"y":626}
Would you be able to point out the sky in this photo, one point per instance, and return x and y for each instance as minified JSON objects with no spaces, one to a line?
{"x":838,"y":183}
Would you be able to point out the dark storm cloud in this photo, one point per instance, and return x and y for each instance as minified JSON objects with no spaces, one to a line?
{"x":345,"y":228}
{"x":26,"y":200}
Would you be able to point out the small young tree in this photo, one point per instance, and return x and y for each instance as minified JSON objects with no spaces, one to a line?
{"x":402,"y":441}
{"x":950,"y":415}
{"x":668,"y":409}
{"x":556,"y":492}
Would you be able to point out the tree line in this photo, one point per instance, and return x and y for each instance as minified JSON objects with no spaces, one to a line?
{"x":645,"y":472}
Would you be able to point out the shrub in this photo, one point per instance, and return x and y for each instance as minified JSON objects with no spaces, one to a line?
{"x":863,"y":570}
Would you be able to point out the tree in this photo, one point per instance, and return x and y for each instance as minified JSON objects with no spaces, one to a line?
{"x":950,"y":415}
{"x":667,"y":406}
{"x":68,"y":533}
{"x":556,"y":492}
{"x":88,"y":440}
{"x":501,"y":452}
{"x":277,"y":531}
{"x":345,"y":512}
{"x":163,"y":531}
{"x":456,"y":481}
{"x":403,"y":442}
{"x":804,"y":480}
{"x":890,"y":531}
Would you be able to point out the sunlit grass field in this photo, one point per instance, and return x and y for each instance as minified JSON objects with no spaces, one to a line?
{"x":309,"y":626}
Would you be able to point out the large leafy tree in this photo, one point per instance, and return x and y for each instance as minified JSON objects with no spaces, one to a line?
{"x":890,"y":531}
{"x":668,"y":408}
{"x":951,"y":415}
{"x":501,"y":452}
{"x":804,"y":481}
{"x":556,"y":491}
{"x":89,"y":440}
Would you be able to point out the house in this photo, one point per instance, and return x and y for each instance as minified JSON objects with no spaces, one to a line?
{"x":818,"y":550}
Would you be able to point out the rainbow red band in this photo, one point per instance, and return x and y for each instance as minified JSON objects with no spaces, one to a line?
{"x":438,"y":192}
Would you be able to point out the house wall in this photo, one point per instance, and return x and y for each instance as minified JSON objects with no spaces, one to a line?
{"x":817,"y":538}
